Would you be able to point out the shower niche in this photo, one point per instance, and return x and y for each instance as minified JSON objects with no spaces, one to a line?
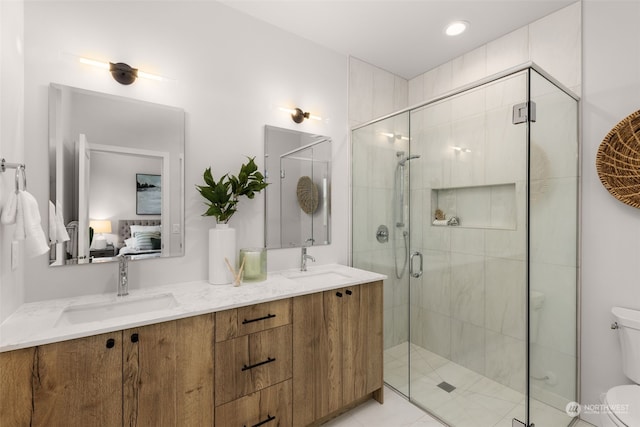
{"x":483,"y":206}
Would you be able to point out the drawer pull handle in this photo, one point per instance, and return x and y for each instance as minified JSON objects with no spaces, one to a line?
{"x":339,"y":294}
{"x":268,"y":316}
{"x":111,"y":343}
{"x":264,"y":362}
{"x":269,"y":419}
{"x":348,"y":292}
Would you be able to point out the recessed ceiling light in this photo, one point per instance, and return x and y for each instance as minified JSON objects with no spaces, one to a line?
{"x":455,"y":28}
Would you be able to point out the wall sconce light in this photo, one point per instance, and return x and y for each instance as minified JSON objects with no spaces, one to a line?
{"x":121,"y":72}
{"x":298,"y":116}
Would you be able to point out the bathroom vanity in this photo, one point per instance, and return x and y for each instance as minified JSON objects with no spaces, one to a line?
{"x":295,"y":350}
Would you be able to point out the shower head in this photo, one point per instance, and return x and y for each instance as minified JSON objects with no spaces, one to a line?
{"x":402,"y":158}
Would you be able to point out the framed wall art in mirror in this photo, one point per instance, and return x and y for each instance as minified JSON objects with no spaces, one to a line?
{"x":99,"y":145}
{"x":298,"y":199}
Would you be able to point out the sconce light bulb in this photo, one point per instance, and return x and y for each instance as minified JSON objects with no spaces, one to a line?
{"x":93,"y":62}
{"x":287,"y":110}
{"x":150,"y":76}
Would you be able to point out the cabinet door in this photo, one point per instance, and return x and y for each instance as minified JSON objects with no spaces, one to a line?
{"x":361,"y":341}
{"x":168,"y":373}
{"x":70,"y":383}
{"x":317,"y":356}
{"x":16,"y":372}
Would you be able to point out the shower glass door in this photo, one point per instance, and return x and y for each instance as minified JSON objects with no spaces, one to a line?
{"x":380,"y":243}
{"x":553,"y":276}
{"x":468,"y":220}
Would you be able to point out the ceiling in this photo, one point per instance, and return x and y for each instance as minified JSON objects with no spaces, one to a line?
{"x":404,"y":37}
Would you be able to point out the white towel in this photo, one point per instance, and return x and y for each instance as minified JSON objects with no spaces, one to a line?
{"x":10,"y":210}
{"x":35,"y":240}
{"x":57,"y":230}
{"x":22,"y":210}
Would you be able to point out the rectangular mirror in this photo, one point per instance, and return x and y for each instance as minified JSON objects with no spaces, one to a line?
{"x":298,"y":199}
{"x":116,"y":177}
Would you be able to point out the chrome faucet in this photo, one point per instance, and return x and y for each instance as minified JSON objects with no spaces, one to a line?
{"x":123,"y":276}
{"x":303,"y":259}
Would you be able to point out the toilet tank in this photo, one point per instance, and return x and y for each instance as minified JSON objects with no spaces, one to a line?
{"x":629,"y":333}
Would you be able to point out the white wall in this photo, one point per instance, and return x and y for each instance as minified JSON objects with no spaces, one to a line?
{"x":230,"y":73}
{"x":610,"y":229}
{"x":11,"y":140}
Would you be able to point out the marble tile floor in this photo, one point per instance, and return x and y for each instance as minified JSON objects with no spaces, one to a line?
{"x":476,"y":402}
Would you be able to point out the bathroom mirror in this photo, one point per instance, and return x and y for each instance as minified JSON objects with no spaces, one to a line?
{"x":116,"y":177}
{"x":298,"y":199}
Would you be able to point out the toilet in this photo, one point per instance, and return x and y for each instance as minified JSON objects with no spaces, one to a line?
{"x":622,"y":403}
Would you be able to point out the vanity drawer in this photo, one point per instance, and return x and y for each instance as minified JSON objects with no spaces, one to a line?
{"x":270,"y":407}
{"x":252,"y":362}
{"x":254,"y":318}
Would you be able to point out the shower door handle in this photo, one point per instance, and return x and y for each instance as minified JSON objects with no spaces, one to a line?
{"x":415,"y":274}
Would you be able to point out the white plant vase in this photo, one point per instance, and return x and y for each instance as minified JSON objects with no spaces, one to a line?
{"x":222,"y":244}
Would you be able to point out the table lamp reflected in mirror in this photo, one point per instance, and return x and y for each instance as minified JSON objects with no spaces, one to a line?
{"x":100,"y":227}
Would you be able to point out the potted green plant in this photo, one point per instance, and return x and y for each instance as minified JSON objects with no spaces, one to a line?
{"x":222,"y":198}
{"x":223,"y":195}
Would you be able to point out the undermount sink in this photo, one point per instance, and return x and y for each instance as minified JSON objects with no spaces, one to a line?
{"x":126,"y":306}
{"x":317,"y":277}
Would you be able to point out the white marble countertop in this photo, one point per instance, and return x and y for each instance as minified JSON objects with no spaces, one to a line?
{"x":39,"y":322}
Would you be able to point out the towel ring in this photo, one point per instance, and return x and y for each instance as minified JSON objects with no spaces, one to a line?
{"x":20,"y":171}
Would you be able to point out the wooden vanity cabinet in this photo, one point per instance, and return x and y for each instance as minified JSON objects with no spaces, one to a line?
{"x":156,"y":375}
{"x":292,"y":362}
{"x":337,"y":351}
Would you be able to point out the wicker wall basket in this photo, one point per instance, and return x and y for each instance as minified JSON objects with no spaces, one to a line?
{"x":618,"y":161}
{"x":307,"y":193}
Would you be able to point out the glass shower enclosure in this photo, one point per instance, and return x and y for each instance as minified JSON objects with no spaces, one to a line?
{"x":469,"y":205}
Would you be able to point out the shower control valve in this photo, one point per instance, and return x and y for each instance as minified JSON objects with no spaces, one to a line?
{"x":382,"y":235}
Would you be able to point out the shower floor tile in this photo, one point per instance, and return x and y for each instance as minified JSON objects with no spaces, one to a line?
{"x":477,"y":401}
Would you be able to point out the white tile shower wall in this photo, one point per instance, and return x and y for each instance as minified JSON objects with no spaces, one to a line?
{"x":373,"y":92}
{"x":553,"y":42}
{"x":11,"y":141}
